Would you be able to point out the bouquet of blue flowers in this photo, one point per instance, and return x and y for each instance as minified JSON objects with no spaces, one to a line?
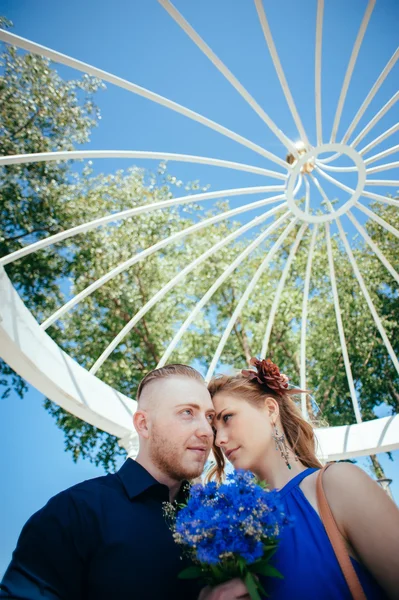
{"x":230,"y":530}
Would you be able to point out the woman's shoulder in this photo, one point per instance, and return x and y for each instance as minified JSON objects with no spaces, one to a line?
{"x":342,"y":483}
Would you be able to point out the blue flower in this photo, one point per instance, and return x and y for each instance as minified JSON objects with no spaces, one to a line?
{"x":236,"y":519}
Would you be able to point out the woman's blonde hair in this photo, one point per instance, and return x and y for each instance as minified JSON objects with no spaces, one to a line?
{"x":298,"y":432}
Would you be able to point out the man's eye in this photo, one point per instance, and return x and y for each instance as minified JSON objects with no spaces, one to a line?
{"x":187,"y":411}
{"x":226,"y":418}
{"x":210,"y":418}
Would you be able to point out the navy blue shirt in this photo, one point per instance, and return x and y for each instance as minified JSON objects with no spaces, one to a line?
{"x":105,"y":538}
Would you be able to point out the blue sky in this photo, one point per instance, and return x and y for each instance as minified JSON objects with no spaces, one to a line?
{"x":139,"y":41}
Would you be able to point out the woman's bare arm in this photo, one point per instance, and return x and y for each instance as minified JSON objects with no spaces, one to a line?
{"x":369,"y":521}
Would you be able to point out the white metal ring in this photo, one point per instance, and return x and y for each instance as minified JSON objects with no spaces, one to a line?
{"x":312,"y":154}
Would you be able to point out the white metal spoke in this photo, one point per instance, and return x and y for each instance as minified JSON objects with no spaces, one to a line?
{"x":322,"y":192}
{"x":305,"y":319}
{"x":145,"y":253}
{"x":341,"y":332}
{"x":374,"y":247}
{"x":379,"y":139}
{"x":384,"y":167}
{"x":329,"y":158}
{"x":371,"y":95}
{"x":130,"y":212}
{"x":375,"y":120}
{"x":377,"y":219}
{"x":244,"y":298}
{"x":366,"y":294}
{"x":179,"y":277}
{"x":280,"y":73}
{"x":381,"y":155}
{"x":20,"y":42}
{"x":351,"y":66}
{"x":136,"y":154}
{"x":380,"y":198}
{"x":338,"y":183}
{"x":199,"y":42}
{"x":383,"y":182}
{"x":219,"y":281}
{"x":279,"y":291}
{"x":317,"y":78}
{"x":336,"y":169}
{"x":307,"y":195}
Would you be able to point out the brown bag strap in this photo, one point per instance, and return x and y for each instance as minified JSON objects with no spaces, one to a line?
{"x":337,"y":541}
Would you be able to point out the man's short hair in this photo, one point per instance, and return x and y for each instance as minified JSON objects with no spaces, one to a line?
{"x":169,"y":371}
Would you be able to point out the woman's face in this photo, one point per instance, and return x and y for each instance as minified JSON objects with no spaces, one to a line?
{"x":243,"y":430}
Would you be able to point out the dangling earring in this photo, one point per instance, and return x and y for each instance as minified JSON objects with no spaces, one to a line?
{"x":281,"y":445}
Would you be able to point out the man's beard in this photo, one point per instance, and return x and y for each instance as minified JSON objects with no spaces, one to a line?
{"x":167,"y":456}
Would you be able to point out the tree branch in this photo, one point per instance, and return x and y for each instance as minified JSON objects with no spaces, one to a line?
{"x":25,"y":125}
{"x":330,"y":384}
{"x":144,"y":336}
{"x":22,"y":235}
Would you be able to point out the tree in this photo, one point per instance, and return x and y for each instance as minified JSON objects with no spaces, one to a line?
{"x":39,"y":112}
{"x":43,"y":198}
{"x":375,"y":377}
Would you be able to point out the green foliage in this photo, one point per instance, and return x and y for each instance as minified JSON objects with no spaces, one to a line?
{"x":40,"y":112}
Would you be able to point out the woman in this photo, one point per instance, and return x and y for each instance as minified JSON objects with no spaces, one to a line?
{"x":259,"y":428}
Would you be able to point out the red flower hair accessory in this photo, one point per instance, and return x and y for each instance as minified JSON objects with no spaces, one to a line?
{"x":268,"y":374}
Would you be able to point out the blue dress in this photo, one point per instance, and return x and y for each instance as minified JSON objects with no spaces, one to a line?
{"x":306,"y":558}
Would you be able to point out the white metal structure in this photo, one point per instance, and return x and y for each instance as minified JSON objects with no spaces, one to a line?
{"x":28,"y":349}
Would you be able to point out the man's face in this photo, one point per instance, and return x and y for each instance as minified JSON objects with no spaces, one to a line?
{"x":180,"y":426}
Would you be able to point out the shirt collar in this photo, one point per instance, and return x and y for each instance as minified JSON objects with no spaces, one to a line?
{"x":136,"y":480}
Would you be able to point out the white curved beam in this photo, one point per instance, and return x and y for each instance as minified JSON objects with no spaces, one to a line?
{"x":280,"y":73}
{"x":374,"y":247}
{"x":144,"y":254}
{"x":304,"y":320}
{"x":130,"y":212}
{"x":383,"y":75}
{"x":382,"y":154}
{"x":38,"y":359}
{"x":344,"y":187}
{"x":244,"y":298}
{"x":329,"y":159}
{"x":371,"y":436}
{"x":20,"y":42}
{"x":383,"y":167}
{"x":383,"y":182}
{"x":136,"y":154}
{"x":215,"y":60}
{"x":280,"y":287}
{"x":374,"y":121}
{"x":322,"y":192}
{"x":215,"y":286}
{"x":307,"y":195}
{"x":377,"y":219}
{"x":390,"y":201}
{"x":340,"y":326}
{"x":327,"y":167}
{"x":366,"y":294}
{"x":317,"y":77}
{"x":33,"y":355}
{"x":379,"y":139}
{"x":179,"y":277}
{"x":350,"y":68}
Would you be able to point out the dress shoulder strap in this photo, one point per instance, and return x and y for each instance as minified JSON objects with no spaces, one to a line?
{"x":295,"y":481}
{"x":337,"y":541}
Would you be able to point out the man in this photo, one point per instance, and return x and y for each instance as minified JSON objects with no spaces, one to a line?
{"x":106,"y":538}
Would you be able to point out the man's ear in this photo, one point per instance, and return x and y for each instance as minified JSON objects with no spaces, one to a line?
{"x":140,"y":422}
